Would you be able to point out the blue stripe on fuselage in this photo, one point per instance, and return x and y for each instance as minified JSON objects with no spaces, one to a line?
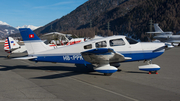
{"x":62,"y":59}
{"x":77,"y":58}
{"x":142,"y":56}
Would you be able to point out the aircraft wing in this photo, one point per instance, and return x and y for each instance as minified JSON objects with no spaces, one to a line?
{"x":154,"y":32}
{"x":119,"y":57}
{"x":103,"y":56}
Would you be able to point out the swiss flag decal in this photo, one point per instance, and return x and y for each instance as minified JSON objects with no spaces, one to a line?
{"x":31,"y":35}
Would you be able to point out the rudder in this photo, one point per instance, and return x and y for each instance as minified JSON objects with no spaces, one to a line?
{"x":12,"y":43}
{"x":32,"y":42}
{"x":157,"y":28}
{"x":6,"y":46}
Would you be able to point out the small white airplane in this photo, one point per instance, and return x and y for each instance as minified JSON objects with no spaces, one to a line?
{"x":75,"y":41}
{"x":105,"y":53}
{"x":63,"y":39}
{"x":167,"y":37}
{"x":11,"y":46}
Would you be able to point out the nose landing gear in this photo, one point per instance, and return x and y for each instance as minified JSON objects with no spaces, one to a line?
{"x":152,"y":68}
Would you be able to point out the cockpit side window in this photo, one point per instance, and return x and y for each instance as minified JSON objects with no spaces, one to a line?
{"x":69,"y":37}
{"x":117,"y":42}
{"x":131,"y":41}
{"x":88,"y":46}
{"x":101,"y":44}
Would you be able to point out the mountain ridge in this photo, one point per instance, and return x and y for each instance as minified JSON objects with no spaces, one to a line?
{"x":28,"y":26}
{"x":81,"y":15}
{"x":127,"y":17}
{"x":7,"y":30}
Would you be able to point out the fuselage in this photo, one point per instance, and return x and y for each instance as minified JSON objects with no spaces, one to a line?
{"x":168,"y":38}
{"x":125,"y":46}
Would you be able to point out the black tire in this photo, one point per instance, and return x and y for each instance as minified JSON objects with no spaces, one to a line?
{"x":8,"y":56}
{"x":107,"y":74}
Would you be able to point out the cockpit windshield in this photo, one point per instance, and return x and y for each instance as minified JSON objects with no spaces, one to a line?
{"x":131,"y":41}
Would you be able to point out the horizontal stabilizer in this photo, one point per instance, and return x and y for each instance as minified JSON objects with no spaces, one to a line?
{"x":26,"y":58}
{"x":154,"y":32}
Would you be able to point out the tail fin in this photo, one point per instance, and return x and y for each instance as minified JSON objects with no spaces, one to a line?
{"x":6,"y":46}
{"x":10,"y":45}
{"x":157,"y":28}
{"x":32,"y":42}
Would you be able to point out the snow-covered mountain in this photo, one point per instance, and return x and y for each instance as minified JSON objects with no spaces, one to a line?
{"x":3,"y":23}
{"x":28,"y":26}
{"x":6,"y":30}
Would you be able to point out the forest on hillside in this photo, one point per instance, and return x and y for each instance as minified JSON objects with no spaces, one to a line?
{"x":118,"y":17}
{"x":135,"y":22}
{"x":80,"y":16}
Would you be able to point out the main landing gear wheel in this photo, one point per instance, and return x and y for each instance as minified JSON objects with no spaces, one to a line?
{"x":8,"y":56}
{"x":153,"y":72}
{"x":107,"y":74}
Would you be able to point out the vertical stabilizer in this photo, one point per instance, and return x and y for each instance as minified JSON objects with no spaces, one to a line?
{"x":157,"y":28}
{"x":12,"y":43}
{"x":32,"y":42}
